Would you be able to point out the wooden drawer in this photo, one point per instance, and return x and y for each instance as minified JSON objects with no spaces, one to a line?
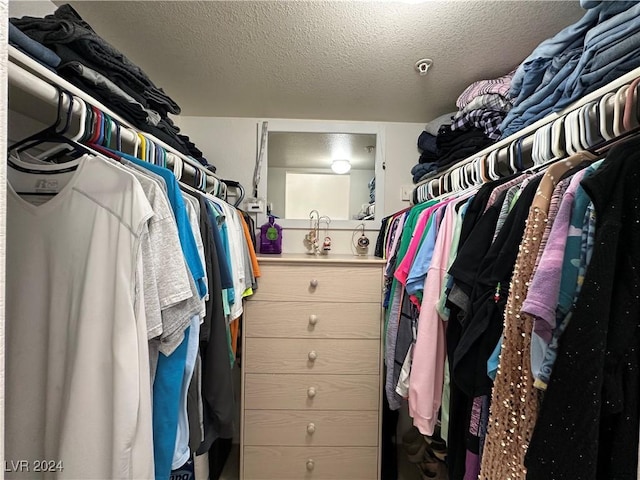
{"x":284,"y":355}
{"x":289,"y":283}
{"x":313,"y":463}
{"x":291,"y":392}
{"x":312,"y":320}
{"x":306,"y":428}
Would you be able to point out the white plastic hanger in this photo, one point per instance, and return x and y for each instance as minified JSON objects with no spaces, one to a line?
{"x":477,"y":168}
{"x":618,"y":110}
{"x":606,"y":116}
{"x":536,"y":151}
{"x":493,"y":158}
{"x":429,"y":186}
{"x":567,"y":136}
{"x":177,"y":165}
{"x":583,"y":119}
{"x":511,"y":153}
{"x":557,"y":138}
{"x":547,"y":153}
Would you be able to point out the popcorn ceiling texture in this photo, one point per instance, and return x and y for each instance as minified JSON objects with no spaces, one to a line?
{"x":324,"y":60}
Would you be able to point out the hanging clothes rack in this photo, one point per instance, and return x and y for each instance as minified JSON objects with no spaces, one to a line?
{"x":559,"y":132}
{"x":36,"y":81}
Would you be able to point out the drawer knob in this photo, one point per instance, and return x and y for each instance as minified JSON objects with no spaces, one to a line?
{"x":312,"y":355}
{"x":311,"y":465}
{"x":311,"y":392}
{"x":311,"y":428}
{"x":313,"y":319}
{"x":313,"y":283}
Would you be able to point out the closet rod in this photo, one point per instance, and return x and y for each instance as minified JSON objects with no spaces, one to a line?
{"x":531,"y":129}
{"x":44,"y":89}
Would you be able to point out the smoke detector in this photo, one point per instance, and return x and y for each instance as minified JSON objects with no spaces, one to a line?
{"x":422,"y":66}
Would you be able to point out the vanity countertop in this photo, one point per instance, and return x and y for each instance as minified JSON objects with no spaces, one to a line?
{"x":285,"y":258}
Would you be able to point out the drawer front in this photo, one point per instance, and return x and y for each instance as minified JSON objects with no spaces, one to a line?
{"x":312,"y":320}
{"x":285,"y":355}
{"x":290,"y":283}
{"x":312,"y":463}
{"x":311,"y":392}
{"x":305,"y":428}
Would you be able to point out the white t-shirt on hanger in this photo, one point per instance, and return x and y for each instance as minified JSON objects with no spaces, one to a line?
{"x":77,"y":385}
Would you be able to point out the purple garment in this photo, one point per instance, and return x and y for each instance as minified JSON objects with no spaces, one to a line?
{"x":499,"y":85}
{"x":472,"y":466}
{"x":542,"y":297}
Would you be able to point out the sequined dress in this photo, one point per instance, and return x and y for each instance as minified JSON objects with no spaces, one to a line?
{"x":514,"y":400}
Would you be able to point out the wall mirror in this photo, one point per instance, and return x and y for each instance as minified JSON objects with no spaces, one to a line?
{"x":334,"y":169}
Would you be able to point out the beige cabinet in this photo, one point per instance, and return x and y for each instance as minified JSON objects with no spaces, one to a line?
{"x":312,"y":370}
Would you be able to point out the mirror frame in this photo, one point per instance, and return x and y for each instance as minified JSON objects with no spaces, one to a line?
{"x":327,"y":126}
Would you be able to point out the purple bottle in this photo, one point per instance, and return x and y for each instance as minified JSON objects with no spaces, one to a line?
{"x":271,"y":237}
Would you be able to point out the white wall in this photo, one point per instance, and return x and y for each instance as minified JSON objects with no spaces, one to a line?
{"x":231,"y":145}
{"x":31,"y":8}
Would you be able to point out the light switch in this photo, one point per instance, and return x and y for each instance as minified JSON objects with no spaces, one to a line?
{"x":406,"y":191}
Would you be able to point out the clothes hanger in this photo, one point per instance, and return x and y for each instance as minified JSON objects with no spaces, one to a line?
{"x":443,"y":183}
{"x":522,"y":144}
{"x":52,"y":129}
{"x":101,"y":131}
{"x":594,"y":137}
{"x":142,"y":153}
{"x":630,"y":121}
{"x":97,"y":119}
{"x":568,"y":135}
{"x":606,"y":117}
{"x":553,"y":175}
{"x":453,"y":176}
{"x":511,"y":156}
{"x":51,"y":135}
{"x":471,"y":173}
{"x":108,"y":131}
{"x":637,"y":94}
{"x":583,"y":120}
{"x":538,"y":142}
{"x":82,"y":123}
{"x":557,"y":138}
{"x":547,"y":144}
{"x":429,"y":185}
{"x":618,"y":110}
{"x":177,"y":166}
{"x":462,"y":176}
{"x":205,"y":179}
{"x":576,"y":131}
{"x":60,"y":150}
{"x":493,"y":158}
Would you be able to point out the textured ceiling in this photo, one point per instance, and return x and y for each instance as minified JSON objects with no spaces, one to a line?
{"x":317,"y":150}
{"x":347,"y":60}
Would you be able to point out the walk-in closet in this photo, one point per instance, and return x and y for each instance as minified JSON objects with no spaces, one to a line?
{"x":320,"y":240}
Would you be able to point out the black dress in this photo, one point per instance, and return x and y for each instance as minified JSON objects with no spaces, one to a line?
{"x":588,"y":424}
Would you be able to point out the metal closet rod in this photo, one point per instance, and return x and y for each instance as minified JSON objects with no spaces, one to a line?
{"x":531,"y":129}
{"x":45,"y":91}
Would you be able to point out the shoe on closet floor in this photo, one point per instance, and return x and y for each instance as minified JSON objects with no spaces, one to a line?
{"x":432,"y":469}
{"x":411,"y":436}
{"x":414,"y":445}
{"x":437,"y":449}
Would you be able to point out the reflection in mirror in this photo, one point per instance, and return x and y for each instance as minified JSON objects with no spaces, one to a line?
{"x":333,"y":173}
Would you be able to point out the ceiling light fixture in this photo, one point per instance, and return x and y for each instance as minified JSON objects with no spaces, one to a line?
{"x":340,"y":166}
